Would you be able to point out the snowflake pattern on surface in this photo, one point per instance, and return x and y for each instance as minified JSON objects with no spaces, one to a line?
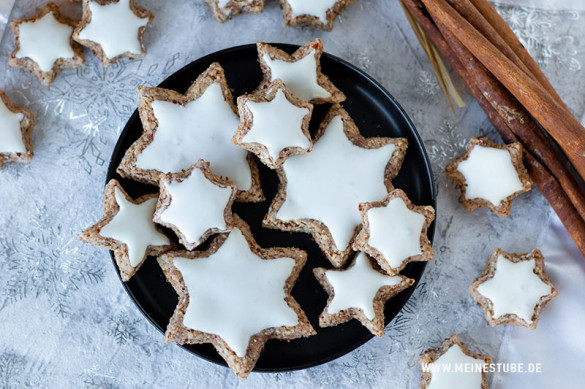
{"x":64,"y":296}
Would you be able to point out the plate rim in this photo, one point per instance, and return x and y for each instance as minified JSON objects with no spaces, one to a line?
{"x":288,"y":47}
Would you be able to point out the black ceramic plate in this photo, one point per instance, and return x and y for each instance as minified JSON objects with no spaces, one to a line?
{"x":376,"y":113}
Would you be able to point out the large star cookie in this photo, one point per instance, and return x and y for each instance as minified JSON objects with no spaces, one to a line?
{"x":223,"y":10}
{"x":395,"y":231}
{"x":113,"y":29}
{"x":301,"y":72}
{"x":513,"y":288}
{"x":453,"y":365}
{"x":320,"y":191}
{"x":358,"y":292}
{"x":16,"y":126}
{"x":274,"y":126}
{"x":44,"y":45}
{"x":236,"y":296}
{"x":127,"y":229}
{"x":195,"y":204}
{"x":490,"y":175}
{"x":312,"y":13}
{"x":181,"y":129}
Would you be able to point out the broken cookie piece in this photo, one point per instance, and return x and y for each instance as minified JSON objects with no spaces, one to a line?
{"x":16,"y":126}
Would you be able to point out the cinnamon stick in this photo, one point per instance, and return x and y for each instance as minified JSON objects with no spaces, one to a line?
{"x":503,"y":29}
{"x":564,"y":128}
{"x":516,"y":119}
{"x":548,"y":185}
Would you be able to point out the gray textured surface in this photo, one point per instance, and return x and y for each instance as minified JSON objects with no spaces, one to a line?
{"x":65,"y":320}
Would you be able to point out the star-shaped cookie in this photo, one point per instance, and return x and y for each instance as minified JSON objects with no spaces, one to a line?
{"x":320,"y":191}
{"x":181,"y":129}
{"x":44,"y":45}
{"x":301,"y":72}
{"x":490,"y":175}
{"x":312,"y":13}
{"x":223,"y":10}
{"x":195,"y":204}
{"x":16,"y":126}
{"x":394,"y":231}
{"x":113,"y":29}
{"x":127,"y":229}
{"x":513,"y":288}
{"x":274,"y":126}
{"x":358,"y":292}
{"x":453,"y":365}
{"x":236,"y":296}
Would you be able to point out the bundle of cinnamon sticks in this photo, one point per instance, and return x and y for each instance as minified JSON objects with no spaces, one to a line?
{"x":516,"y":96}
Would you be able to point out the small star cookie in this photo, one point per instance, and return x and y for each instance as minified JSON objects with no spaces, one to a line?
{"x":223,"y":10}
{"x":320,"y":191}
{"x":301,"y":72}
{"x":236,"y":296}
{"x":181,"y":129}
{"x":16,"y":126}
{"x":113,"y":29}
{"x":358,"y":292}
{"x":312,"y":13}
{"x":453,"y":365}
{"x":394,"y":231}
{"x":274,"y":126}
{"x":195,"y":204}
{"x":127,"y":229}
{"x":490,"y":175}
{"x":513,"y":288}
{"x":44,"y":45}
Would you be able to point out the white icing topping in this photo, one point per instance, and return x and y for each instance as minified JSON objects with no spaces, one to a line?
{"x":45,"y":41}
{"x":395,"y":231}
{"x":489,"y":174}
{"x":514,"y":288}
{"x":444,"y":374}
{"x":115,"y":27}
{"x":300,"y":76}
{"x":133,"y":226}
{"x":222,"y":3}
{"x":328,"y":183}
{"x":10,"y":132}
{"x":235,"y":294}
{"x":197,"y":205}
{"x":357,"y":286}
{"x":277,"y":125}
{"x":317,"y":8}
{"x":202,"y":129}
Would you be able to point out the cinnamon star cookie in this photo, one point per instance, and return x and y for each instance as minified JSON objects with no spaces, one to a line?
{"x":113,"y":29}
{"x":127,"y":229}
{"x":236,"y":296}
{"x":44,"y":44}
